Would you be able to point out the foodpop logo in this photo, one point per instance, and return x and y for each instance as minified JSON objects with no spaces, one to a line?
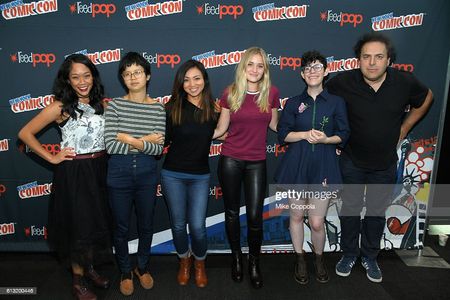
{"x":212,"y":60}
{"x":36,"y":231}
{"x":93,"y":9}
{"x":216,"y":192}
{"x":33,"y":58}
{"x":27,"y":103}
{"x":7,"y":228}
{"x":143,"y":10}
{"x":343,"y":64}
{"x":389,"y":22}
{"x":4,"y":145}
{"x":18,"y":9}
{"x":50,"y":148}
{"x":404,"y":67}
{"x":276,"y":149}
{"x":33,"y":190}
{"x":341,"y":17}
{"x":284,"y":62}
{"x":162,"y":59}
{"x":215,"y":149}
{"x":221,"y":10}
{"x":269,"y":12}
{"x":2,"y":189}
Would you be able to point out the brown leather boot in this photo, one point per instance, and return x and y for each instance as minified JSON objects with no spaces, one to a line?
{"x":200,"y":273}
{"x":80,"y":289}
{"x":97,"y":279}
{"x":184,"y":272}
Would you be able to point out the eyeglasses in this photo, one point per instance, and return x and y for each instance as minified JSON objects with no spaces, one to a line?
{"x":137,"y":74}
{"x":316,"y":68}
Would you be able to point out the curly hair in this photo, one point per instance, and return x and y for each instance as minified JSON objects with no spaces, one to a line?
{"x":64,"y":92}
{"x":375,"y":37}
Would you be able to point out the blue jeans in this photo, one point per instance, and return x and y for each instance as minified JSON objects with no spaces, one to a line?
{"x":187,"y":198}
{"x":378,"y":196}
{"x":132,"y":180}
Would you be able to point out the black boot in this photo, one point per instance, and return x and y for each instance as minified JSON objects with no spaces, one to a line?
{"x":300,"y":270}
{"x":254,"y":271}
{"x":321,"y":269}
{"x":236,"y":266}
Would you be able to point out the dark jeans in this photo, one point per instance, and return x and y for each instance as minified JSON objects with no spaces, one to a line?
{"x":378,"y":186}
{"x":132,"y":180}
{"x":232,"y":173}
{"x":187,"y":199}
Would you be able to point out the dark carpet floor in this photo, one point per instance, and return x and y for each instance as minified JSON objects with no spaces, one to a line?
{"x":41,"y":270}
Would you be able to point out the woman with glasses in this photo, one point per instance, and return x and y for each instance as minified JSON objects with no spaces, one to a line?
{"x":79,"y":217}
{"x":191,"y":120}
{"x":134,"y":129}
{"x":313,"y":124}
{"x":249,"y":107}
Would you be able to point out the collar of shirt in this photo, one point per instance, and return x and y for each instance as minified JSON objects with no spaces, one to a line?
{"x":323,"y":95}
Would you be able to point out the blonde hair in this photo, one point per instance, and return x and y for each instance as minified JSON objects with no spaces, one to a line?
{"x":238,"y":89}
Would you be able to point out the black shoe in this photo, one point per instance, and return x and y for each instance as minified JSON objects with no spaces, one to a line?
{"x":321,"y":269}
{"x":236,"y":267}
{"x":300,"y":270}
{"x":254,"y":271}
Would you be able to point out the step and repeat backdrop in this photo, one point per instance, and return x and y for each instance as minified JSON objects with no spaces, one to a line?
{"x":37,"y":35}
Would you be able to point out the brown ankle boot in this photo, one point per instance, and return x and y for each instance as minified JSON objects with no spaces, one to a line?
{"x":200,"y":273}
{"x":97,"y":279}
{"x":184,"y":272}
{"x":80,"y":289}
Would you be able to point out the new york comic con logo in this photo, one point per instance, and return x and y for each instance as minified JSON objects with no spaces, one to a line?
{"x":162,"y":59}
{"x":342,"y":18}
{"x":144,"y":10}
{"x":212,"y":60}
{"x":19,"y":9}
{"x":102,"y":56}
{"x":93,"y":9}
{"x":389,"y":22}
{"x":33,"y":58}
{"x":342,"y":64}
{"x":7,"y":228}
{"x":33,"y":189}
{"x":4,"y":146}
{"x":269,"y":12}
{"x":221,"y":10}
{"x":27,"y":103}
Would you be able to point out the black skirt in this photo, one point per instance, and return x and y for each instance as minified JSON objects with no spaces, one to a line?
{"x":79,"y":220}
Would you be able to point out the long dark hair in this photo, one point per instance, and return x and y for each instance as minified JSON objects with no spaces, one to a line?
{"x":64,"y":92}
{"x":207,"y":104}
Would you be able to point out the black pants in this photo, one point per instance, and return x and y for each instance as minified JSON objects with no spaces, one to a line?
{"x":232,"y":173}
{"x":376,"y":187}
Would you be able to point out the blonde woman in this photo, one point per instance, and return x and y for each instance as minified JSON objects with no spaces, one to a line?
{"x":249,"y":105}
